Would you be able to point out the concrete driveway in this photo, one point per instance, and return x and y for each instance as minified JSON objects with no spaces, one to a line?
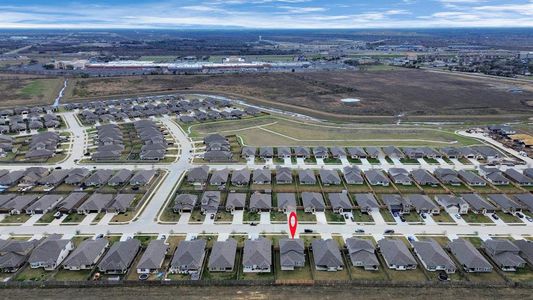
{"x":378,"y":218}
{"x":32,"y":220}
{"x":106,"y":219}
{"x":264,"y":217}
{"x":321,"y":217}
{"x":237,"y":217}
{"x":184,"y":218}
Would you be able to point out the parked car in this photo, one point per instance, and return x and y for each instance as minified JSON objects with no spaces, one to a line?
{"x":529,"y":219}
{"x":519,"y":215}
{"x":58,"y":215}
{"x":360,"y":230}
{"x":458,"y":216}
{"x":423,"y":216}
{"x":308,"y":230}
{"x":495,"y":217}
{"x":402,"y":218}
{"x":389,"y":231}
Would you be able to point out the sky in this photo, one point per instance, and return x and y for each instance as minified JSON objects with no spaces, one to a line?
{"x":288,"y":14}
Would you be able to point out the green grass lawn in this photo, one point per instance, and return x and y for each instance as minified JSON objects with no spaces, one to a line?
{"x":223,"y":217}
{"x":74,"y":218}
{"x":333,"y":217}
{"x":412,"y":217}
{"x":305,"y":217}
{"x":361,"y":217}
{"x":303,"y":273}
{"x":251,"y":217}
{"x":66,"y":275}
{"x":387,"y":216}
{"x":29,"y":274}
{"x":521,"y":275}
{"x":408,"y":189}
{"x":196,"y":216}
{"x":476,"y":218}
{"x":409,"y":161}
{"x":443,"y":217}
{"x":16,"y":218}
{"x":508,"y":218}
{"x":276,"y":216}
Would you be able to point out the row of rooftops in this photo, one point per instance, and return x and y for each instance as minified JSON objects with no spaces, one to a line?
{"x":19,"y":123}
{"x":210,"y":202}
{"x":79,"y":176}
{"x":353,"y":175}
{"x":189,"y":256}
{"x":476,"y":152}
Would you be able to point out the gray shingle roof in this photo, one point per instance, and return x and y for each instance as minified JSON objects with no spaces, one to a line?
{"x":223,"y":254}
{"x":120,"y":255}
{"x":190,"y":254}
{"x":326,"y":253}
{"x":257,"y":253}
{"x":395,"y":252}
{"x":86,"y":253}
{"x":153,"y":256}
{"x":292,"y":252}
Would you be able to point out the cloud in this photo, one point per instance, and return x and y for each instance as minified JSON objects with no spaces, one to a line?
{"x":269,"y":14}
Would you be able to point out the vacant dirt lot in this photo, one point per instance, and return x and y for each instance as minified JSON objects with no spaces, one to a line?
{"x":258,"y":292}
{"x":386,"y":93}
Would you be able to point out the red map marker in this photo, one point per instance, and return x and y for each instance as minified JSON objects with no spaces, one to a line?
{"x":293,"y":223}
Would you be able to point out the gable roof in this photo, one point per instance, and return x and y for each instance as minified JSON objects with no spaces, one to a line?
{"x":190,"y":254}
{"x":120,"y":255}
{"x":326,"y":253}
{"x":223,"y":254}
{"x":154,"y":255}
{"x":86,"y":253}
{"x":257,"y":253}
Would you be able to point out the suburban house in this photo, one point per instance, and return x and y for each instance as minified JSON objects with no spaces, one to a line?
{"x":142,"y":177}
{"x":393,"y":152}
{"x":486,"y":152}
{"x":210,"y":202}
{"x":86,"y":255}
{"x":240,"y":177}
{"x":153,"y":257}
{"x":260,"y":202}
{"x":469,"y":257}
{"x":329,"y":177}
{"x":188,"y":257}
{"x":320,"y":152}
{"x":248,"y":151}
{"x":99,"y":178}
{"x":306,"y":177}
{"x":506,"y":204}
{"x":400,"y":176}
{"x":266,"y":152}
{"x":505,"y":254}
{"x":70,"y":203}
{"x":448,"y":176}
{"x":44,"y":204}
{"x":424,"y":178}
{"x":356,"y":152}
{"x":262,"y":176}
{"x":326,"y":255}
{"x":376,"y":177}
{"x":313,"y":202}
{"x":477,"y":204}
{"x":526,"y":200}
{"x":397,"y":204}
{"x":367,"y":202}
{"x":423,"y":204}
{"x":471,"y":178}
{"x":119,"y":257}
{"x":526,"y":249}
{"x":372,"y":152}
{"x":433,"y":257}
{"x":284,"y":152}
{"x":120,"y":178}
{"x":235,"y":201}
{"x":302,"y":152}
{"x":14,"y":254}
{"x":338,"y":152}
{"x":397,"y":255}
{"x":198,"y":175}
{"x":362,"y":253}
{"x":96,"y":203}
{"x":18,"y":204}
{"x":340,"y":203}
{"x":452,"y":205}
{"x":50,"y":252}
{"x":184,"y":203}
{"x":493,"y":175}
{"x":286,"y":202}
{"x":283,"y":175}
{"x":222,"y":258}
{"x":518,"y":177}
{"x":219,"y":177}
{"x":292,"y":254}
{"x":352,"y":175}
{"x":257,"y":256}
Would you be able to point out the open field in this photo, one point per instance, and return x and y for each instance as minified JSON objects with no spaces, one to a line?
{"x":277,"y":131}
{"x":383,"y":93}
{"x":274,"y":292}
{"x":24,"y":91}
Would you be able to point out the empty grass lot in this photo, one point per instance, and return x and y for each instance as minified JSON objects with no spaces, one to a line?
{"x":476,"y":218}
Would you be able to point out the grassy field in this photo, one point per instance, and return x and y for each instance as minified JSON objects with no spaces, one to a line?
{"x":26,"y":91}
{"x":383,"y":92}
{"x":277,"y":131}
